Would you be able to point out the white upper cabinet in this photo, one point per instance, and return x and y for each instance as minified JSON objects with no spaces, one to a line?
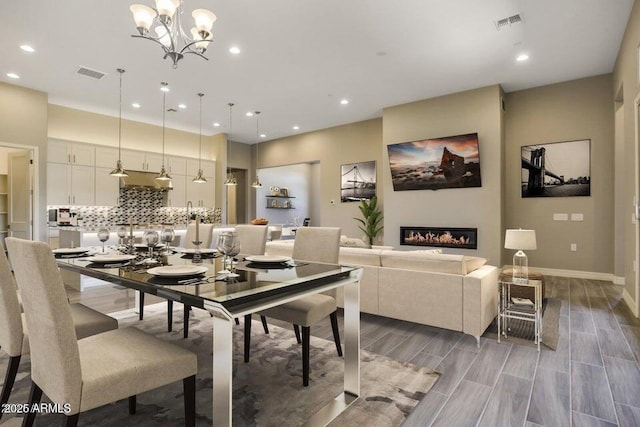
{"x":154,"y":162}
{"x":107,"y":187}
{"x":176,"y":165}
{"x":208,"y":167}
{"x":70,"y":185}
{"x":177,"y":198}
{"x":134,"y":160}
{"x":107,"y":157}
{"x":71,"y":153}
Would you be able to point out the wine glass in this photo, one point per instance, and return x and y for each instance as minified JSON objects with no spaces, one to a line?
{"x":166,"y":235}
{"x":122,"y":233}
{"x":227,"y":244}
{"x":151,"y":237}
{"x":103,"y":236}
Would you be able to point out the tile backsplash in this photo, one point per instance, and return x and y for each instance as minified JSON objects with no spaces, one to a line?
{"x":142,"y":207}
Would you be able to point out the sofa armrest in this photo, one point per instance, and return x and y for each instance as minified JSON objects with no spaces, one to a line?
{"x":480,"y":300}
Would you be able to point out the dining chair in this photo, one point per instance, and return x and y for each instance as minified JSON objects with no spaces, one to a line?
{"x":97,"y":370}
{"x":205,"y":232}
{"x":314,"y":244}
{"x":14,"y":338}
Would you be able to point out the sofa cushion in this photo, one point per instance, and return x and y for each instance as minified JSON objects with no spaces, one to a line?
{"x":352,"y":242}
{"x":432,"y":262}
{"x":360,"y":256}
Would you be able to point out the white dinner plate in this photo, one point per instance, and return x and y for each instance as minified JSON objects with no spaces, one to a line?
{"x":70,"y":251}
{"x":177,"y":270}
{"x":193,"y":251}
{"x":271,"y":259}
{"x":104,"y":259}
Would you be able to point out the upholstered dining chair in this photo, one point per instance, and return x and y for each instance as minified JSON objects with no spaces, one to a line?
{"x":205,"y":231}
{"x":315,"y":244}
{"x":93,"y":371}
{"x":13,"y":334}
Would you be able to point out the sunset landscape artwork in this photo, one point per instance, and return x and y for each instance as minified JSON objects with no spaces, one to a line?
{"x":433,"y":164}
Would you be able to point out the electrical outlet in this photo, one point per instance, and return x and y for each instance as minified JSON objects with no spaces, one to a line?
{"x":574,"y":247}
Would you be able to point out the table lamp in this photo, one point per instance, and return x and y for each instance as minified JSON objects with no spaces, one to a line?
{"x":520,"y":239}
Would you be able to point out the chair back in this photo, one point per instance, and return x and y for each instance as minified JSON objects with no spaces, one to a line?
{"x":55,"y":359}
{"x":11,"y":334}
{"x":253,"y":238}
{"x":306,"y":222}
{"x":317,"y":244}
{"x":205,"y":235}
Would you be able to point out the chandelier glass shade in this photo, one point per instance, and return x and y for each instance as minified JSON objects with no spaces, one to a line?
{"x":164,"y":176}
{"x":163,"y":25}
{"x":199,"y":179}
{"x":119,"y":170}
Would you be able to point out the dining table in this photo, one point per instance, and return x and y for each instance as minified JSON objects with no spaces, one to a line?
{"x":254,"y":287}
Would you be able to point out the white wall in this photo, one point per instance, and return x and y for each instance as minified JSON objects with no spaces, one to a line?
{"x":297,"y":178}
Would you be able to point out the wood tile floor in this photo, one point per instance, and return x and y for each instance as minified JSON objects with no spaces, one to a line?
{"x":593,"y":378}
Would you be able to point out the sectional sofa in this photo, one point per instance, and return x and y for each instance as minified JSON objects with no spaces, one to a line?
{"x":424,"y":286}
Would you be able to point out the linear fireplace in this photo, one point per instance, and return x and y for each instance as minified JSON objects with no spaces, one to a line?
{"x":443,"y":237}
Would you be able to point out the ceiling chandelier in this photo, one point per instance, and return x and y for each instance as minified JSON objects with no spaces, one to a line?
{"x":257,"y":183}
{"x":199,"y":179}
{"x":165,"y":19}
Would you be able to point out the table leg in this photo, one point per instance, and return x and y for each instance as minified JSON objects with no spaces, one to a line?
{"x":352,"y":339}
{"x":500,"y":305}
{"x":137,"y":302}
{"x":222,"y":369}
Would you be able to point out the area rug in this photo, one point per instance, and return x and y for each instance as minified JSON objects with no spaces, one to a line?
{"x":522,"y":332}
{"x":268,"y":390}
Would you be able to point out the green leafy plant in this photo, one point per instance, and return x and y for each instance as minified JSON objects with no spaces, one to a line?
{"x":371,"y":224}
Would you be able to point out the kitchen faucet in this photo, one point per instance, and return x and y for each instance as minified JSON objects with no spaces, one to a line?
{"x":189,"y":205}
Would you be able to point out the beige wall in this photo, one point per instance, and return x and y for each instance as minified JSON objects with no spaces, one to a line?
{"x":240,"y":156}
{"x":331,"y":147}
{"x":625,"y":86}
{"x":575,"y":110}
{"x":466,"y":112}
{"x":23,"y":121}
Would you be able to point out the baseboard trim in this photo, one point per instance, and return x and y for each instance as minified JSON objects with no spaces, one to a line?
{"x":617,"y":280}
{"x":578,"y":274}
{"x":630,"y":302}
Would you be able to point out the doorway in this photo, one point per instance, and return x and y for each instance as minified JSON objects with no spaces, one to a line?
{"x":237,"y":202}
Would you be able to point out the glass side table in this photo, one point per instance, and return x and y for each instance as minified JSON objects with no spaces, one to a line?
{"x":508,"y":309}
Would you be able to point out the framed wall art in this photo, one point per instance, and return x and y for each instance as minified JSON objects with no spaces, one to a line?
{"x":358,"y":181}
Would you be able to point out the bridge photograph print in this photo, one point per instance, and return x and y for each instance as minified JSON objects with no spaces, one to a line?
{"x":558,"y":169}
{"x":358,"y":181}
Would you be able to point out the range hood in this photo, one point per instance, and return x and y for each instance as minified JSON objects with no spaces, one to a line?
{"x":144,"y":181}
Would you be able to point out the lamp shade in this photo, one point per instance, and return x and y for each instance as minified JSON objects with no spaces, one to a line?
{"x":520,"y":239}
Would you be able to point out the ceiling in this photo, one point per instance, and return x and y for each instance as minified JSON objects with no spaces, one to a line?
{"x":300,"y":58}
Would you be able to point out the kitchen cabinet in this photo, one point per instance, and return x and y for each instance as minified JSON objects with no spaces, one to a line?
{"x":70,"y":184}
{"x":177,"y":166}
{"x":203,"y":194}
{"x":70,"y":153}
{"x":141,"y":161}
{"x":107,"y":157}
{"x":208,"y":168}
{"x":107,"y":188}
{"x":177,"y":198}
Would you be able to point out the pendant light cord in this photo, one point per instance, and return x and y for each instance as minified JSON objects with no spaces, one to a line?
{"x":200,"y":148}
{"x":164,"y":110}
{"x":121,"y":71}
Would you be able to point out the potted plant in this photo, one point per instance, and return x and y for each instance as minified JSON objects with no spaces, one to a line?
{"x":372,"y":218}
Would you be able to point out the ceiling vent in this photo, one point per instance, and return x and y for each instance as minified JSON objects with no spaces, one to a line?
{"x":88,"y":72}
{"x":507,"y":22}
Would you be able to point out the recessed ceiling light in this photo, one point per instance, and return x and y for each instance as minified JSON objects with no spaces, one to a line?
{"x":296,"y":127}
{"x":234,"y":49}
{"x":216,"y":124}
{"x":522,"y":57}
{"x":344,"y":101}
{"x":13,"y":76}
{"x":27,"y":48}
{"x":262,"y":135}
{"x":182,"y":106}
{"x":135,"y":105}
{"x":249,"y":114}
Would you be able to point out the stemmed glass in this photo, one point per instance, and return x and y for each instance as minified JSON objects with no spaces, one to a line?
{"x":103,"y":236}
{"x":166,"y":235}
{"x":122,"y":233}
{"x":151,"y":237}
{"x":229,"y":245}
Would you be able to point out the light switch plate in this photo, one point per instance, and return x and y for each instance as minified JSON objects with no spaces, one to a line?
{"x":577,"y":217}
{"x":560,"y":217}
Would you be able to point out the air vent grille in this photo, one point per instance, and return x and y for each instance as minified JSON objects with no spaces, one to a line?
{"x":88,"y":72}
{"x":508,"y":21}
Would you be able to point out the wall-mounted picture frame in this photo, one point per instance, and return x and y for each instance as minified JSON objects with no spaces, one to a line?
{"x":357,"y":181}
{"x":435,"y":164}
{"x":557,"y":169}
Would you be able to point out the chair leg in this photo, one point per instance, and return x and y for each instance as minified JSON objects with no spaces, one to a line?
{"x":169,"y":315}
{"x":247,"y":337}
{"x":189,"y":385}
{"x":132,"y":404}
{"x":187,"y":310}
{"x":296,"y":329}
{"x":10,"y":378}
{"x":34,"y":397}
{"x":72,"y":420}
{"x":237,"y":321}
{"x":264,"y":324}
{"x":336,"y":331}
{"x":141,"y":306}
{"x":306,"y":342}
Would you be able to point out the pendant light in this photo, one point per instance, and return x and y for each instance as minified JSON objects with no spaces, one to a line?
{"x":119,"y":170}
{"x":199,"y":179}
{"x":231,"y":180}
{"x":164,"y":176}
{"x":257,"y":183}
